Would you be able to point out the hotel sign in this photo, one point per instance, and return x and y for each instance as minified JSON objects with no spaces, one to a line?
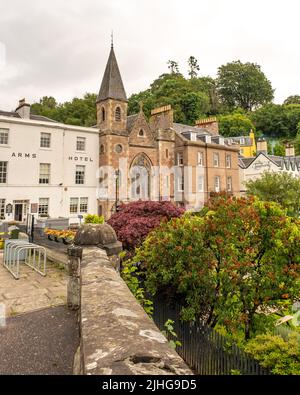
{"x":23,"y":155}
{"x":81,"y":159}
{"x":34,"y":156}
{"x":259,"y":165}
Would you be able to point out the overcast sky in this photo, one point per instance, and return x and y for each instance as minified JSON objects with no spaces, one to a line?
{"x":60,"y":47}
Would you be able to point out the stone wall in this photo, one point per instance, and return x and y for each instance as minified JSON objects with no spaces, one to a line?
{"x":117,"y":336}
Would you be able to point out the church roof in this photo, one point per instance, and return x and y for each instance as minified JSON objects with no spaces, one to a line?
{"x":112,"y":85}
{"x":131,"y":121}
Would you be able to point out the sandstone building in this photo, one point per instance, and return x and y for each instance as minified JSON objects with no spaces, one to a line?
{"x":182,"y":163}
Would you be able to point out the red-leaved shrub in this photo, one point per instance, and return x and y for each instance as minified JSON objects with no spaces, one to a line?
{"x":136,"y":219}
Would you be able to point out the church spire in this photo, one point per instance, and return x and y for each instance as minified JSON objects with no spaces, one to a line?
{"x":112,"y":85}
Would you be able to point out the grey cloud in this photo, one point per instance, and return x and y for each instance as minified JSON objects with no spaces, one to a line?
{"x":60,"y":47}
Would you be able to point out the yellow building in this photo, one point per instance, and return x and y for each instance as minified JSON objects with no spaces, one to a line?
{"x":247,"y":144}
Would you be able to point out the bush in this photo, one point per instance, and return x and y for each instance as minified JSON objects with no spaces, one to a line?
{"x":135,"y":220}
{"x":239,"y":259}
{"x":93,"y":219}
{"x":273,"y":352}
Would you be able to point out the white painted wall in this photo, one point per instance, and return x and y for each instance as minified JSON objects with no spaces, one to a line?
{"x":23,"y":172}
{"x":260,"y":165}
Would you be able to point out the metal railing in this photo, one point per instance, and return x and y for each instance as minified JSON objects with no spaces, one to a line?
{"x":21,"y":251}
{"x":204,"y":350}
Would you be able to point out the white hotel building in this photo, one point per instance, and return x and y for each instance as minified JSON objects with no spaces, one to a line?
{"x":46,"y":168}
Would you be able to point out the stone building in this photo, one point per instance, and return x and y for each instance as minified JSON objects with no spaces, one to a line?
{"x":157,"y":159}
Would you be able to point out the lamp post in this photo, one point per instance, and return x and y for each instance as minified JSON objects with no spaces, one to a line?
{"x":117,"y":175}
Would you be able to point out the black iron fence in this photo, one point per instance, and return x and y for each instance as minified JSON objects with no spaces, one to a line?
{"x":205,"y":350}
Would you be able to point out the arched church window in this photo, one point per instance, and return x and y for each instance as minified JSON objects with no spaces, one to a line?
{"x":141,"y":133}
{"x":118,"y":114}
{"x":103,"y":114}
{"x":101,"y":149}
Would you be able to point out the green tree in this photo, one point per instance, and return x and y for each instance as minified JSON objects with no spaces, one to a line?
{"x":277,"y":120}
{"x":173,"y":66}
{"x":292,"y":100}
{"x":279,"y":149}
{"x":272,"y":120}
{"x":188,"y":100}
{"x":237,"y":260}
{"x":244,"y":85}
{"x":281,"y":188}
{"x":194,"y":105}
{"x":275,"y":353}
{"x":81,"y":112}
{"x":193,"y":67}
{"x":296,"y":142}
{"x":235,"y":124}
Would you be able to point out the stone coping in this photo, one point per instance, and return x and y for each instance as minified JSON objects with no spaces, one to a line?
{"x":117,"y":336}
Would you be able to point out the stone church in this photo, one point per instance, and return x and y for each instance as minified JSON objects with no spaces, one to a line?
{"x":182,"y":163}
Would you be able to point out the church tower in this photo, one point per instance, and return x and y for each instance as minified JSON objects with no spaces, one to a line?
{"x":114,"y":142}
{"x":112,"y":100}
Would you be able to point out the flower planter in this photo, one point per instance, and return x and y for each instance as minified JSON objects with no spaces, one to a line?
{"x":66,"y":240}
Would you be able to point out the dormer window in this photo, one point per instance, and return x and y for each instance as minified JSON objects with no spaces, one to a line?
{"x":103,"y":114}
{"x":118,"y":114}
{"x":141,"y":133}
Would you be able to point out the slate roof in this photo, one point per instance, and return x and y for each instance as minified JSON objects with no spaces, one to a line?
{"x":33,"y":117}
{"x":181,"y":128}
{"x":284,"y":162}
{"x":131,"y":121}
{"x":112,"y":85}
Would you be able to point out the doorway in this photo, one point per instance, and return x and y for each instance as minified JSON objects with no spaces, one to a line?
{"x":18,"y":212}
{"x":21,"y":208}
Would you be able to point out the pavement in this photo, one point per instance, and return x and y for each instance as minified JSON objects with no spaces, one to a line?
{"x":39,"y":334}
{"x":32,"y":291}
{"x":42,"y":343}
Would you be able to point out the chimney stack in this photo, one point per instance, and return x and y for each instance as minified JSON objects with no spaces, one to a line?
{"x":210,"y":124}
{"x":161,"y":118}
{"x":23,"y":109}
{"x":289,"y":150}
{"x":261,"y":146}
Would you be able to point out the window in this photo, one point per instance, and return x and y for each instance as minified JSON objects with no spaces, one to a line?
{"x":180,"y":159}
{"x":44,"y":173}
{"x":217,"y":184}
{"x":4,"y":136}
{"x":200,"y":159}
{"x":118,"y":148}
{"x":101,"y":149}
{"x":118,"y":114}
{"x":216,"y":159}
{"x":74,"y":205}
{"x":2,"y":208}
{"x":180,"y":184}
{"x":228,"y":161}
{"x":200,"y":183}
{"x":229,"y":184}
{"x":167,"y":153}
{"x":80,"y":175}
{"x":168,"y":182}
{"x":80,"y":144}
{"x":45,"y":140}
{"x":3,"y":172}
{"x":141,"y":133}
{"x":84,"y":205}
{"x":103,"y":114}
{"x":43,"y":207}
